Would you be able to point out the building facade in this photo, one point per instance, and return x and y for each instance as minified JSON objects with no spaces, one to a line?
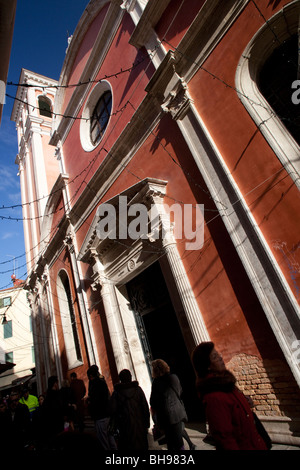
{"x":160,"y":188}
{"x":17,"y":359}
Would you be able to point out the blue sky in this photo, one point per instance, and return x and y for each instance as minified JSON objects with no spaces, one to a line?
{"x":39,"y":44}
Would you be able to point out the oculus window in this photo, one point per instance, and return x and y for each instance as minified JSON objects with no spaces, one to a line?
{"x":100,"y":117}
{"x":95,"y":116}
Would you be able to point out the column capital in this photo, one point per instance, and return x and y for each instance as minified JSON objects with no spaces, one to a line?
{"x":69,"y":242}
{"x":32,"y":297}
{"x":178,"y":101}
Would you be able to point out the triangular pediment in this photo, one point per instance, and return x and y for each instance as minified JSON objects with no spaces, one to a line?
{"x":144,"y":193}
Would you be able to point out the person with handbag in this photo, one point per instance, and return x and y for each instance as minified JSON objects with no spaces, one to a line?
{"x":166,"y":404}
{"x":232,"y":424}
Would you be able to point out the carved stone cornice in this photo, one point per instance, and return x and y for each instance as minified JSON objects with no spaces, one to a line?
{"x":44,"y":279}
{"x":23,"y":148}
{"x":30,"y":78}
{"x":97,"y":282}
{"x":58,"y":148}
{"x":69,"y":242}
{"x":178,"y":101}
{"x":151,"y":14}
{"x":148,"y":192}
{"x":128,"y":5}
{"x":32,"y":297}
{"x":170,"y":90}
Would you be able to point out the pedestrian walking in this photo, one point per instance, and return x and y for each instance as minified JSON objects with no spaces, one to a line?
{"x":41,"y":399}
{"x":68,"y":404}
{"x":30,"y":401}
{"x":166,"y":403}
{"x":130,"y":414}
{"x":17,"y":424}
{"x":228,"y":413}
{"x":187,"y":438}
{"x":38,"y":424}
{"x":79,"y":391}
{"x":99,"y":407}
{"x":52,"y":416}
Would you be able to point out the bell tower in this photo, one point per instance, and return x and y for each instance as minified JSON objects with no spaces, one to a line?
{"x":38,"y":167}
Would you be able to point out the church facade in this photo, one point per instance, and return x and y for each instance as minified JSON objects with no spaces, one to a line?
{"x":160,"y":191}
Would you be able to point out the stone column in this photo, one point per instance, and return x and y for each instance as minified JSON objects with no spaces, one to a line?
{"x":189,"y":302}
{"x":87,"y":329}
{"x":113,"y":316}
{"x":32,"y":222}
{"x":32,"y":298}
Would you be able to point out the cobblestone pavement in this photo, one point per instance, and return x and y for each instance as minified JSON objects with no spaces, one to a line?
{"x":198,"y":438}
{"x":197,"y":434}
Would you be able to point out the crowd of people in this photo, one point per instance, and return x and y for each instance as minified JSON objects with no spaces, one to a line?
{"x":28,"y":422}
{"x":55,"y":421}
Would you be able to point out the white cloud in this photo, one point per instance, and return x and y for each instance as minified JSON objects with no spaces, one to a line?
{"x":7,"y":235}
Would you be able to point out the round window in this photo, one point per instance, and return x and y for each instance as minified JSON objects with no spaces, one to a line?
{"x":100,"y":117}
{"x":95,"y":116}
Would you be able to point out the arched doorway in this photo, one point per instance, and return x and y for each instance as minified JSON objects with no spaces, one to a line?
{"x":160,"y":332}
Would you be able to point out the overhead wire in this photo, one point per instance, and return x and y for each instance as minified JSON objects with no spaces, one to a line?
{"x":153,"y":50}
{"x":128,"y":102}
{"x":79,"y":84}
{"x":103,"y":148}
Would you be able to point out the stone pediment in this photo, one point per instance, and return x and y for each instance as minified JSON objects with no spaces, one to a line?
{"x":147,"y":192}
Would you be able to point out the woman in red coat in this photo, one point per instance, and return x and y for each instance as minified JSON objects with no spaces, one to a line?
{"x":228,"y":413}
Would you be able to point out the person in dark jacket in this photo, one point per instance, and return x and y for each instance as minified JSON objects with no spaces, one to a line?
{"x":15,"y":425}
{"x":228,"y":413}
{"x":52,"y":412}
{"x":99,"y":408}
{"x":130,"y":414}
{"x":68,"y":402}
{"x":79,"y":391}
{"x":166,"y":403}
